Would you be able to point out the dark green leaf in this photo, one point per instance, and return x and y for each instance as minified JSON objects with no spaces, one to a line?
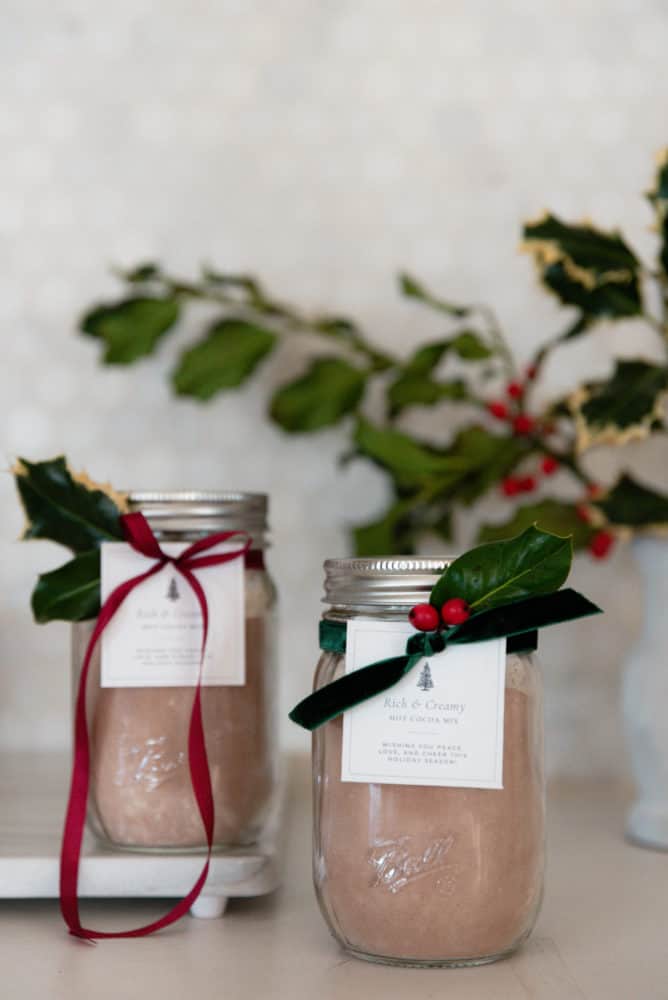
{"x":330,"y":389}
{"x":630,"y":503}
{"x":426,"y":358}
{"x":230,"y":352}
{"x":70,"y":593}
{"x":586,"y":267}
{"x":469,"y":346}
{"x":490,"y":458}
{"x":555,"y":516}
{"x":625,"y":405}
{"x":413,"y":289}
{"x":410,"y":463}
{"x":131,"y":328}
{"x":533,"y":563}
{"x":64,"y":508}
{"x":413,"y":390}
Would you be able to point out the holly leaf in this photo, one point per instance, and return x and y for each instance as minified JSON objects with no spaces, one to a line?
{"x":410,"y":463}
{"x":634,"y":505}
{"x":70,"y":593}
{"x":497,"y":573}
{"x":469,"y":346}
{"x":66,"y":508}
{"x":555,"y":516}
{"x":330,"y":389}
{"x":422,"y":390}
{"x":585,"y":267}
{"x":491,"y":457}
{"x":624,"y":407}
{"x":229,"y":353}
{"x":131,"y":328}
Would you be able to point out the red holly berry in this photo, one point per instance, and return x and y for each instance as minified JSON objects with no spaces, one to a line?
{"x":498,"y":410}
{"x":532,"y":371}
{"x":523,"y":423}
{"x":594,"y":490}
{"x":424,"y":617}
{"x":515,"y":390}
{"x":455,"y":611}
{"x":601,"y":544}
{"x":510,"y":486}
{"x":549,"y":465}
{"x":583,"y":513}
{"x":527,"y":484}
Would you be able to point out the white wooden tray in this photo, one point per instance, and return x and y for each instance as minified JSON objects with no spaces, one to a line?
{"x":33,"y":790}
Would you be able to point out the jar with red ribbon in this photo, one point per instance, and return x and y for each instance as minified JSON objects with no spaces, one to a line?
{"x":145,"y":668}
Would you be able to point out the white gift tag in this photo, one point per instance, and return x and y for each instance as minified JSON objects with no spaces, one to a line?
{"x":154,"y":639}
{"x":441,"y":724}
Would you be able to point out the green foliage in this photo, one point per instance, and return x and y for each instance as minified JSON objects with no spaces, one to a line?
{"x":132,"y":327}
{"x":63,"y":508}
{"x":70,"y":593}
{"x":330,"y":389}
{"x":624,"y":405}
{"x":555,"y":516}
{"x":229,"y":353}
{"x":630,"y":504}
{"x":494,"y":574}
{"x":586,"y":267}
{"x":596,"y":272}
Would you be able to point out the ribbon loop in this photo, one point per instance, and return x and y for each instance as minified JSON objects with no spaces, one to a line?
{"x":140,"y":536}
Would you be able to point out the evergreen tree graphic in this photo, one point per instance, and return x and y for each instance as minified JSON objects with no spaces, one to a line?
{"x":425,"y":683}
{"x":172,"y":591}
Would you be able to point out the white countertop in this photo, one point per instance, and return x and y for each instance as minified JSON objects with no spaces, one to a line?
{"x":602,"y":935}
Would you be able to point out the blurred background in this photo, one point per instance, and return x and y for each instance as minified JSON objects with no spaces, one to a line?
{"x":323,"y":146}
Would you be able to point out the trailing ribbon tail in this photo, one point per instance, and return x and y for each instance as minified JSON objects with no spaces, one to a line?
{"x":139,"y":535}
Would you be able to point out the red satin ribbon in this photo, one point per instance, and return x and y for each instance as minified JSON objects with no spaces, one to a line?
{"x":139,"y":535}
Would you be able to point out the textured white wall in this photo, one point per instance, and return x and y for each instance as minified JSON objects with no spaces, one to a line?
{"x":324,"y":145}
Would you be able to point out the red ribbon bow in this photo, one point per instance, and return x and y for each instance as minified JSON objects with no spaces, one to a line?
{"x":139,"y":535}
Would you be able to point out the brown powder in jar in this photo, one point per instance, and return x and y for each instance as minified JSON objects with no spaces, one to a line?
{"x":431,"y":873}
{"x":141,"y":786}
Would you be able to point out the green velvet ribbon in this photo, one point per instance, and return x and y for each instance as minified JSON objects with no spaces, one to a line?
{"x":517,"y":621}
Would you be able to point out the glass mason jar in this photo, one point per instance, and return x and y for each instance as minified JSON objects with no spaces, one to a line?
{"x":141,"y":796}
{"x":424,"y":875}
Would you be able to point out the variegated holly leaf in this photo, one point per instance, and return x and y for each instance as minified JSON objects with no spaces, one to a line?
{"x":67,"y":508}
{"x":555,"y":516}
{"x":622,"y":408}
{"x":633,"y":505}
{"x":585,"y":267}
{"x":658,"y":196}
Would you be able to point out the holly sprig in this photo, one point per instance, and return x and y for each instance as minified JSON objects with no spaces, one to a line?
{"x":507,"y":442}
{"x":79,"y":514}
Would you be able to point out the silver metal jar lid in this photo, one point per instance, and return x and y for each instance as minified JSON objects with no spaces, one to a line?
{"x":382,"y":581}
{"x":191,"y":512}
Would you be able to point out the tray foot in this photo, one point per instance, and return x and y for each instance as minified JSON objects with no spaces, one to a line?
{"x":208,"y":907}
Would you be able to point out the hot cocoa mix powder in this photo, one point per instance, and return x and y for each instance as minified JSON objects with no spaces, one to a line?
{"x":140,"y":779}
{"x":431,"y":873}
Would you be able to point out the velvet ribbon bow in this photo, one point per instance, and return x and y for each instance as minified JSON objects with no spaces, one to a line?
{"x":518,"y":621}
{"x":196,"y":557}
